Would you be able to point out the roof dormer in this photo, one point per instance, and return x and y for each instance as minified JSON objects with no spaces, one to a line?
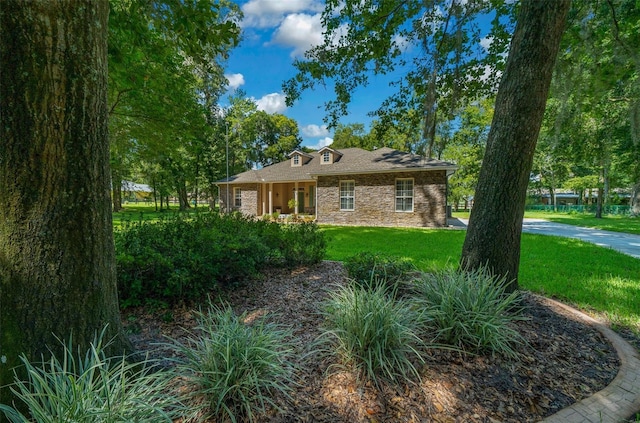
{"x":299,"y":158}
{"x":329,"y":155}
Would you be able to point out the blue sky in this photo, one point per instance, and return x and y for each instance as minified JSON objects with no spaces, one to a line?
{"x":275,"y":32}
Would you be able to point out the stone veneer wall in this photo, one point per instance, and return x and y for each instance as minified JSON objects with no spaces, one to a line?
{"x":250,"y":198}
{"x":375,"y":200}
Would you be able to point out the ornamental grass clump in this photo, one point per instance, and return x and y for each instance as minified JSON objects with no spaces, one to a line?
{"x":371,"y":332}
{"x":235,"y":369}
{"x":93,"y":389}
{"x":470,"y":310}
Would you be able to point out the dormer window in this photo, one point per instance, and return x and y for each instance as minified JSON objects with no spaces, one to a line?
{"x":326,"y":157}
{"x":296,"y":160}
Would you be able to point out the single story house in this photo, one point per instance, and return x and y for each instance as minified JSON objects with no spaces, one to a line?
{"x":351,"y":186}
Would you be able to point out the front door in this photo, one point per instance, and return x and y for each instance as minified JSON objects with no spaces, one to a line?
{"x":300,"y":201}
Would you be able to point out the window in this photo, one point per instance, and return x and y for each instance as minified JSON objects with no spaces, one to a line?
{"x":404,"y":195}
{"x":296,"y":160}
{"x":237,"y":197}
{"x":347,"y":195}
{"x":326,"y":157}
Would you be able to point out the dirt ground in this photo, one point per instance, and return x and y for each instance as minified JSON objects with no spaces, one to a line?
{"x":565,"y":361}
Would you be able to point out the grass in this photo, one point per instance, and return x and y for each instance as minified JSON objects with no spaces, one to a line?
{"x":592,"y":278}
{"x":147,"y":212}
{"x":615,"y":223}
{"x":371,"y":332}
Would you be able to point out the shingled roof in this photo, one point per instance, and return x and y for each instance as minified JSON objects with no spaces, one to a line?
{"x":349,"y":161}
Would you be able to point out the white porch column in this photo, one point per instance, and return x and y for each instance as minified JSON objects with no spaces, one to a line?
{"x":295,"y":197}
{"x":270,"y":197}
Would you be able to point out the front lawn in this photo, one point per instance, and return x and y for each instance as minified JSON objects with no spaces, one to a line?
{"x":592,"y":278}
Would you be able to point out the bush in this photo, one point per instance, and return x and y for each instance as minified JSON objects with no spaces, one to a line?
{"x":367,"y":268}
{"x":181,"y":258}
{"x":235,"y":367}
{"x":302,"y":244}
{"x":370,"y":331}
{"x":470,"y":310}
{"x":92,"y":389}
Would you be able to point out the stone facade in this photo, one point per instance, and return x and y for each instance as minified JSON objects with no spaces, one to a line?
{"x":374,"y":202}
{"x":250,"y":198}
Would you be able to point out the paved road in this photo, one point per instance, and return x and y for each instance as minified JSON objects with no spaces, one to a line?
{"x":625,"y":243}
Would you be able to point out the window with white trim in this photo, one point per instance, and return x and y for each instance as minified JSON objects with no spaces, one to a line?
{"x":237,"y":197}
{"x":296,"y":160}
{"x":404,"y":195}
{"x":326,"y":157}
{"x":347,"y":195}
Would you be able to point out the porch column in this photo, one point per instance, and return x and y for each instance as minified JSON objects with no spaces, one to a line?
{"x":295,"y":197}
{"x":270,"y":197}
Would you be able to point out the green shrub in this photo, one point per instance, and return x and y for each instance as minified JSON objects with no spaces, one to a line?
{"x":470,"y":310}
{"x":366,"y":268}
{"x":92,"y":389}
{"x":302,"y":244}
{"x":371,"y":332}
{"x":235,"y":367}
{"x":182,"y":258}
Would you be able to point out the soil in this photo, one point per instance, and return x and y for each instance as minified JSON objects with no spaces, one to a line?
{"x":564,"y":361}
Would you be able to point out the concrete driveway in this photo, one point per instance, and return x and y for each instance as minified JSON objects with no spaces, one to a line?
{"x":625,"y":243}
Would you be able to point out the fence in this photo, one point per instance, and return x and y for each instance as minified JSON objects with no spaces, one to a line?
{"x":591,"y":208}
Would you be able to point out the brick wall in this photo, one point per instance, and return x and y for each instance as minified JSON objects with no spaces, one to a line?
{"x":250,"y":198}
{"x":375,"y":200}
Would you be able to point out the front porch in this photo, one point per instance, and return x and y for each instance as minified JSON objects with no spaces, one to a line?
{"x":287,"y":198}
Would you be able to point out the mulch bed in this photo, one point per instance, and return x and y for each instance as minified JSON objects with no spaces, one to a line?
{"x":564,"y":362}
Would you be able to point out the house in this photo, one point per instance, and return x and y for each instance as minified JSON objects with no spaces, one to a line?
{"x":384,"y":187}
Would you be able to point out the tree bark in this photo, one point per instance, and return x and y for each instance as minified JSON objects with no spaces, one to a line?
{"x":116,"y":187}
{"x":495,"y":225}
{"x":57,"y":260}
{"x":635,"y":200}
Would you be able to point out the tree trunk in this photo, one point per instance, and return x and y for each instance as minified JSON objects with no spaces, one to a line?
{"x":495,"y":226}
{"x":116,"y":186}
{"x":635,"y":200}
{"x":57,"y":260}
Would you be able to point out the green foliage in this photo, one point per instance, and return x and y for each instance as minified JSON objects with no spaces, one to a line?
{"x":302,"y":244}
{"x":470,"y":310}
{"x":373,"y":333}
{"x":181,"y":258}
{"x":93,"y":389}
{"x":235,"y":366}
{"x":367,"y":268}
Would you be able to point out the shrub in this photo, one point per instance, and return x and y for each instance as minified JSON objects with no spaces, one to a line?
{"x":92,"y":389}
{"x":366,"y":268}
{"x":183,"y":258}
{"x":235,"y":367}
{"x":371,"y":332}
{"x":470,"y":310}
{"x":302,"y":244}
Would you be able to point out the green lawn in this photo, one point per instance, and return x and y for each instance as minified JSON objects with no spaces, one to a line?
{"x":141,"y":211}
{"x":590,"y":277}
{"x":616,"y":223}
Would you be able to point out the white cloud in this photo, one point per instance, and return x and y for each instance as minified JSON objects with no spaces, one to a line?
{"x":272,"y":103}
{"x":269,"y":13}
{"x":402,"y":42}
{"x":315,"y":131}
{"x":486,"y":43}
{"x":300,"y":31}
{"x":235,"y":80}
{"x":322,"y":143}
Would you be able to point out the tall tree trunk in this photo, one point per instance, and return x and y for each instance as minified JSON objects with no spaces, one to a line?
{"x":495,"y":226}
{"x":57,"y":260}
{"x":635,"y":200}
{"x":116,"y":187}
